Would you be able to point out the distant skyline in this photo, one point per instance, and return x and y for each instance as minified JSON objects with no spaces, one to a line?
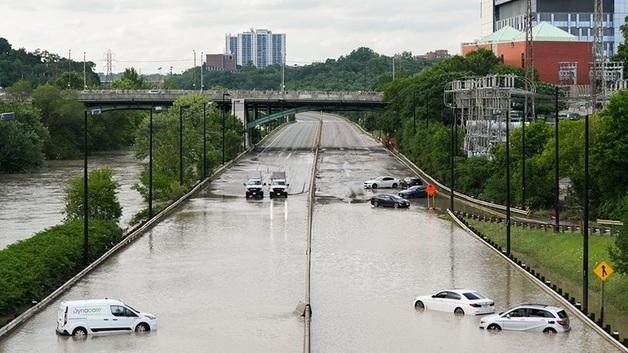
{"x":163,"y":33}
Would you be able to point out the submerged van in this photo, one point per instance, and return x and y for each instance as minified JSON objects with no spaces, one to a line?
{"x":82,"y":317}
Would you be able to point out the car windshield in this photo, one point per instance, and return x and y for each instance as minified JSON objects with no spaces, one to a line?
{"x":130,"y":307}
{"x":255,"y":182}
{"x":562,"y":314}
{"x":280,"y":182}
{"x":473,"y":295}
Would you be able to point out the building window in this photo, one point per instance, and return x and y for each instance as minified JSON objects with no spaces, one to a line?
{"x":523,"y":60}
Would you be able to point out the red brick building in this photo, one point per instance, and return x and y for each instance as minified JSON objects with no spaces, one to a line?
{"x":221,"y":62}
{"x":551,"y":47}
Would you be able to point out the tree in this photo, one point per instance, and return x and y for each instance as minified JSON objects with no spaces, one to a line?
{"x":619,"y":252}
{"x":20,"y":90}
{"x":610,"y":155}
{"x":103,"y":203}
{"x":622,"y":49}
{"x":21,"y":140}
{"x":130,"y":80}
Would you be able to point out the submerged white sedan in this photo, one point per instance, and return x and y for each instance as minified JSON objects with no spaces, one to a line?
{"x":457,"y":301}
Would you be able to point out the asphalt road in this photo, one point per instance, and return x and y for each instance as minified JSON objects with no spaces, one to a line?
{"x":224,"y":273}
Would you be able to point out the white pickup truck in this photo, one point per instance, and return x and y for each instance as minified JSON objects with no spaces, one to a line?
{"x":278,"y":186}
{"x":254,"y":187}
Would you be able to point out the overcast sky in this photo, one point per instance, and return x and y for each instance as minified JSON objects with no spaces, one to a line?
{"x":162,"y":33}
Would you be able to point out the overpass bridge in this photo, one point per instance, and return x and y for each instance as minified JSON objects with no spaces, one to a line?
{"x":252,"y":107}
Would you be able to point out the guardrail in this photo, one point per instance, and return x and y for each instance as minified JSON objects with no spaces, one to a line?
{"x":129,"y":237}
{"x":171,"y":95}
{"x":425,"y":176}
{"x":545,"y":285}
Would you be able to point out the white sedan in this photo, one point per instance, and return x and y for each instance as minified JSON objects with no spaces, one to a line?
{"x":457,"y":301}
{"x":382,"y":182}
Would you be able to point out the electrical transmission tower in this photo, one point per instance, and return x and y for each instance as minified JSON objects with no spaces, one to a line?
{"x":597,"y":67}
{"x":529,"y":55}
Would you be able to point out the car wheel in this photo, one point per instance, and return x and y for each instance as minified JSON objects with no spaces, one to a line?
{"x":376,"y":204}
{"x":394,"y":185}
{"x":419,"y":306}
{"x":549,"y":330}
{"x":142,"y":327}
{"x":458,"y":312}
{"x":374,"y":186}
{"x":79,"y":332}
{"x":494,"y":327}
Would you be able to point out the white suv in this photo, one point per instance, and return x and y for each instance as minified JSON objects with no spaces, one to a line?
{"x":529,"y":317}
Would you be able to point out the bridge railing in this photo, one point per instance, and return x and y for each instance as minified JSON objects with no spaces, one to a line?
{"x":157,"y":94}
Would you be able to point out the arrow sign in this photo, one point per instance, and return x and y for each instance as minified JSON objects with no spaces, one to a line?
{"x":603,"y":270}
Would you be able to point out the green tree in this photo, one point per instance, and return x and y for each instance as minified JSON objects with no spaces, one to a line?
{"x":21,"y":140}
{"x":609,"y":156}
{"x":166,"y":145}
{"x":619,"y":252}
{"x":62,"y":113}
{"x":130,"y":80}
{"x":103,"y":203}
{"x":20,"y":90}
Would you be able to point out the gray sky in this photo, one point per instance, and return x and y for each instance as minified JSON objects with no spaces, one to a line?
{"x":162,"y":33}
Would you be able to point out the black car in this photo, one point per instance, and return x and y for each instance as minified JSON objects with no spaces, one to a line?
{"x":411,"y":181}
{"x":389,"y":200}
{"x":417,"y":191}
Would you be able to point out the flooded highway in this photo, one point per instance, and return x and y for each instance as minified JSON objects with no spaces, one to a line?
{"x":32,"y":202}
{"x":223,"y":273}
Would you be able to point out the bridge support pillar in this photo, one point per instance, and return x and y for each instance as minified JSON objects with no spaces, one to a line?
{"x":240,"y":110}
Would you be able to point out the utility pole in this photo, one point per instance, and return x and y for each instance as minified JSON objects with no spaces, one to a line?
{"x":585,"y":221}
{"x":557,"y":169}
{"x":69,"y":67}
{"x":508,"y":182}
{"x":194,"y":71}
{"x":202,"y":72}
{"x":283,"y":75}
{"x":84,"y":73}
{"x":529,"y":78}
{"x":393,"y":62}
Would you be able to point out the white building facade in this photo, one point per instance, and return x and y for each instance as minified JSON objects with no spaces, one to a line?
{"x":261,"y":47}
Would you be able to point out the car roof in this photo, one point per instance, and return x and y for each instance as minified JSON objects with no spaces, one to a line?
{"x":105,"y":301}
{"x":543,"y":306}
{"x":459,"y":291}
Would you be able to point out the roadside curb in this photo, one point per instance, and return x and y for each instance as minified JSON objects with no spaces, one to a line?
{"x":128,"y":238}
{"x":542,"y":285}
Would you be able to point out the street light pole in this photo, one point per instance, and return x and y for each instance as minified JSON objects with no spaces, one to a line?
{"x":181,"y":145}
{"x":451,"y":163}
{"x":204,"y":140}
{"x":150,"y":165}
{"x":508,"y":181}
{"x":414,"y":113}
{"x":557,"y":169}
{"x":85,"y":194}
{"x":585,"y":227}
{"x":222,"y":112}
{"x":202,"y":54}
{"x":523,"y":154}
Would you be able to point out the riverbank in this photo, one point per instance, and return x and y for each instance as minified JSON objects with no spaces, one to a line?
{"x":558,"y":256}
{"x":32,"y":202}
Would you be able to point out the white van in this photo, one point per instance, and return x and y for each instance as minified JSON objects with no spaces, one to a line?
{"x":82,"y":317}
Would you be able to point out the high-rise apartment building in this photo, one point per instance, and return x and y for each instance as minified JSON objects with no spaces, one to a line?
{"x":572,"y":16}
{"x":261,"y":47}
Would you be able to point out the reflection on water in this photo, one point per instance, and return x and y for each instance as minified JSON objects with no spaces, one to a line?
{"x":32,"y":202}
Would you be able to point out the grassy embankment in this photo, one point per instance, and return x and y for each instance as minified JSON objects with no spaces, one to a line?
{"x":559,"y":258}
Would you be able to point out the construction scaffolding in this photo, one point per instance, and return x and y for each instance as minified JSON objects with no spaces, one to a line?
{"x":483,"y":106}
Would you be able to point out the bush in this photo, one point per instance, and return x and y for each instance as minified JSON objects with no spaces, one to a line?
{"x":32,"y":268}
{"x":103,"y":202}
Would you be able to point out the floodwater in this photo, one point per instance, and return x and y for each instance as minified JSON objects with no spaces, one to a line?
{"x":32,"y":202}
{"x":223,"y":273}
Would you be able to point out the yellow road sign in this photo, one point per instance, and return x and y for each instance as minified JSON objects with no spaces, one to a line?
{"x":603,"y":270}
